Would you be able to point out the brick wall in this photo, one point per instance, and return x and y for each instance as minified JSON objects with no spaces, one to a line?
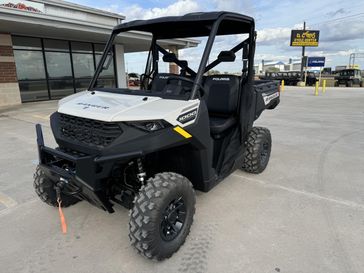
{"x":6,"y":51}
{"x":7,"y":72}
{"x":9,"y":88}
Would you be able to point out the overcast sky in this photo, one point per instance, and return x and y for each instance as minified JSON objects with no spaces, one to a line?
{"x":341,"y":23}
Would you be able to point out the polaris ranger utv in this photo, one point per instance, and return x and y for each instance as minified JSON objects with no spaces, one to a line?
{"x":149,"y":149}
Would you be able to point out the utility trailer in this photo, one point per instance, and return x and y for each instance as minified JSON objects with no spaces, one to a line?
{"x":290,"y":77}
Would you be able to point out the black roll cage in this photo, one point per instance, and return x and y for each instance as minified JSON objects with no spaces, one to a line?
{"x":248,"y":54}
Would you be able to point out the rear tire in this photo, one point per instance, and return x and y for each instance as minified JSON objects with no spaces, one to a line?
{"x":349,"y":84}
{"x":162,"y":215}
{"x":44,"y":187}
{"x":258,"y":150}
{"x":337,"y":84}
{"x":361,"y":84}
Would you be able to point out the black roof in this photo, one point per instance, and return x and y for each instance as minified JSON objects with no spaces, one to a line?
{"x":191,"y":25}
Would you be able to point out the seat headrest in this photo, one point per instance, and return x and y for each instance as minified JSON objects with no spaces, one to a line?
{"x":222,"y":93}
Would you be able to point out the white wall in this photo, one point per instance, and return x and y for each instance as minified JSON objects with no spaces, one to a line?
{"x":120,"y":66}
{"x":80,"y":15}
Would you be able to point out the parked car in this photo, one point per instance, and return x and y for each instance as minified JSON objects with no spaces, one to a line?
{"x":133,"y":79}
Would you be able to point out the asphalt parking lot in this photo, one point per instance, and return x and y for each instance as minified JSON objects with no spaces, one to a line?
{"x":305,"y":213}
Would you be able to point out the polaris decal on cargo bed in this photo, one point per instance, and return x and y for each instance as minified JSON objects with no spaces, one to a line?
{"x":188,"y":116}
{"x":268,"y":98}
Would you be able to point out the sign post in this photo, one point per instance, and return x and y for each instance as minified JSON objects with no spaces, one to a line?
{"x":303,"y":55}
{"x":304,"y":63}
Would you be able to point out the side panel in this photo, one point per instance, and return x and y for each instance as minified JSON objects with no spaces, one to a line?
{"x":267,"y":96}
{"x":193,"y":159}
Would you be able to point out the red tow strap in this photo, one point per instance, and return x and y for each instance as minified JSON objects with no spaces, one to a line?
{"x":61,"y":217}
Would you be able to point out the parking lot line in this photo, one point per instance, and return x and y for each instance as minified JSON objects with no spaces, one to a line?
{"x":7,"y":200}
{"x":19,"y":206}
{"x":46,"y":117}
{"x":305,"y":193}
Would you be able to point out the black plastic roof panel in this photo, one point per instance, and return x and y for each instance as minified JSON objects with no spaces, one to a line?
{"x":196,"y":24}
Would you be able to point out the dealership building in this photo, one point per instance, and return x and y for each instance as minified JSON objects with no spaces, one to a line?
{"x":49,"y":49}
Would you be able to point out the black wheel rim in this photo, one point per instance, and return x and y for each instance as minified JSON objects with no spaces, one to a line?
{"x":173,"y":219}
{"x":264,"y":154}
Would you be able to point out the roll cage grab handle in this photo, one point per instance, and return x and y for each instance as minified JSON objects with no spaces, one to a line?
{"x":202,"y":69}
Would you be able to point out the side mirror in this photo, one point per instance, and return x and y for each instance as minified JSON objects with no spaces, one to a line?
{"x":107,"y":62}
{"x":226,"y":56}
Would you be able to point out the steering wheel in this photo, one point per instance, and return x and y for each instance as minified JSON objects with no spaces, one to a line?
{"x":145,"y":80}
{"x":184,"y":79}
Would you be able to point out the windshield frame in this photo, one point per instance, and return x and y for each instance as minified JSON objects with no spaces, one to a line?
{"x":250,"y":41}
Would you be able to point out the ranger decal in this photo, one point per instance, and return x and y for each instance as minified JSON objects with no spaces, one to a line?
{"x":188,"y":116}
{"x":268,"y":98}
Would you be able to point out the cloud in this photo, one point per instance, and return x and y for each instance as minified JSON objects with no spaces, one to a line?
{"x":179,"y":7}
{"x":342,"y":31}
{"x":270,"y":36}
{"x":340,"y":34}
{"x":334,"y":35}
{"x":240,"y":6}
{"x":276,"y":36}
{"x":340,"y":11}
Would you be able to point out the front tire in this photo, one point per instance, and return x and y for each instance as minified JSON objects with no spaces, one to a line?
{"x":44,"y":187}
{"x":258,"y":150}
{"x":349,"y":84}
{"x":162,"y":215}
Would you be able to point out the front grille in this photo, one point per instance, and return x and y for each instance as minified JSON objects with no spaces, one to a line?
{"x":89,"y":131}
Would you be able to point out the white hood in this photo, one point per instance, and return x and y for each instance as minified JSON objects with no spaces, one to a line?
{"x":119,"y":107}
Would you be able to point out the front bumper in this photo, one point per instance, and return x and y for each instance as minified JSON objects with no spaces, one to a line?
{"x":87,"y":173}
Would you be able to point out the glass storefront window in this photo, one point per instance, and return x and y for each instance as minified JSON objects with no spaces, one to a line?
{"x":83,"y":65}
{"x":32,"y":63}
{"x":82,"y":84}
{"x":26,"y":43}
{"x":80,"y":47}
{"x":106,"y":82}
{"x":60,"y":88}
{"x":99,"y":48}
{"x":58,"y":64}
{"x":29,"y":65}
{"x":56,"y":45}
{"x":108,"y":72}
{"x":33,"y":90}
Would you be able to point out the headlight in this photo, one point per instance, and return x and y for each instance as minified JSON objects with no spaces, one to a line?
{"x":150,"y":125}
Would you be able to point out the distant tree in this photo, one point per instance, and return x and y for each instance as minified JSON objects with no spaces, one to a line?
{"x":213,"y":72}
